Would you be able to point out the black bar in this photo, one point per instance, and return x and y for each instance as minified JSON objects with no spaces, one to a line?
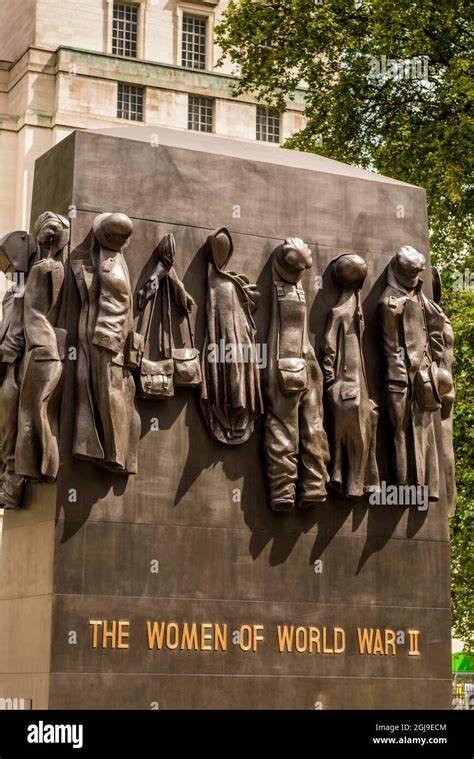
{"x":137,"y":733}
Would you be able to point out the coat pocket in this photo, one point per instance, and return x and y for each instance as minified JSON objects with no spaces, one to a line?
{"x":292,"y":375}
{"x":345,"y":394}
{"x":134,"y":349}
{"x":426,"y":388}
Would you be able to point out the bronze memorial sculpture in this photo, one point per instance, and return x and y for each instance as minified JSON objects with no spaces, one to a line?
{"x":296,"y":446}
{"x":37,"y":448}
{"x":353,"y":415}
{"x":231,"y":399}
{"x":417,"y":343}
{"x":414,"y":348}
{"x":107,"y":423}
{"x":17,"y":250}
{"x":235,"y":568}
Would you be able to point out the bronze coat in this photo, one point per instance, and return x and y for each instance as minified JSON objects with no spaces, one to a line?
{"x":12,"y":344}
{"x":404,"y":340}
{"x":37,"y":452}
{"x":231,"y":398}
{"x":107,"y":423}
{"x":296,"y":446}
{"x":353,"y":415}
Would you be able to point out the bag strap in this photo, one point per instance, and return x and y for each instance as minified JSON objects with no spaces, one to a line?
{"x":427,"y":350}
{"x":146,"y":335}
{"x":190,"y":329}
{"x":280,"y":292}
{"x":166,"y":333}
{"x":188,"y":320}
{"x":151,"y":312}
{"x":360,"y":317}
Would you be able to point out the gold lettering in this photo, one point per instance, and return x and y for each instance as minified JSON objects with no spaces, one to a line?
{"x":123,"y":634}
{"x":301,"y":639}
{"x":326,"y":649}
{"x":365,"y":640}
{"x":413,"y":649}
{"x":339,"y":633}
{"x":155,"y":634}
{"x":112,"y":634}
{"x":95,"y":627}
{"x":285,"y":638}
{"x":314,"y":639}
{"x":221,"y":637}
{"x":206,"y":636}
{"x":245,"y":646}
{"x":390,"y":637}
{"x":172,"y":627}
{"x":378,"y":647}
{"x":375,"y":641}
{"x":189,"y":641}
{"x":256,"y":637}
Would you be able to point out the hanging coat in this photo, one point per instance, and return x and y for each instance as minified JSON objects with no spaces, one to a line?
{"x":107,"y":423}
{"x":439,"y":323}
{"x":296,"y":446}
{"x":405,"y":341}
{"x":12,"y":346}
{"x":37,"y":451}
{"x":354,"y":416}
{"x":231,"y":398}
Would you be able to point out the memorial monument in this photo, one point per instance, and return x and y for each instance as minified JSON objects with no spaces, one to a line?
{"x":227,"y":458}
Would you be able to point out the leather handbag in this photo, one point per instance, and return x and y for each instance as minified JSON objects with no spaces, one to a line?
{"x":187,"y":366}
{"x":155,"y":379}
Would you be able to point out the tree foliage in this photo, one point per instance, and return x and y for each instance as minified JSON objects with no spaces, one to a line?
{"x":411,"y":120}
{"x":460,"y":308}
{"x":360,"y":107}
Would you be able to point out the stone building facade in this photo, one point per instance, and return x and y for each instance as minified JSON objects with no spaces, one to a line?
{"x":68,"y":65}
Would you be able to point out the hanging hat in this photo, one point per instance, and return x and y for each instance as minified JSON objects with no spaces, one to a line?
{"x":16,"y":249}
{"x":292,"y":259}
{"x":407,"y":265}
{"x":112,"y":230}
{"x":62,"y":225}
{"x":349,"y":270}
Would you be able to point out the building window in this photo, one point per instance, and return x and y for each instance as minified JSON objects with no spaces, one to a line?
{"x":130,"y":102}
{"x":268,"y":125}
{"x":125,"y":30}
{"x":200,"y":113}
{"x":193,"y":43}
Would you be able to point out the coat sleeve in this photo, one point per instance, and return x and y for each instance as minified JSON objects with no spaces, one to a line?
{"x":329,"y":348}
{"x":436,"y":320}
{"x":13,"y":345}
{"x":393,"y":349}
